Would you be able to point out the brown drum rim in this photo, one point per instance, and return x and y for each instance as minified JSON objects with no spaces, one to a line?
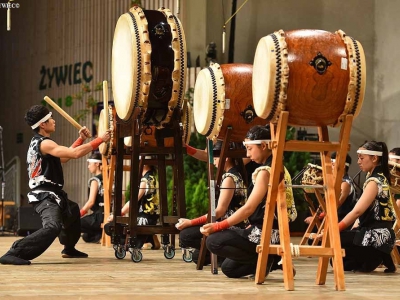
{"x":179,"y":73}
{"x":357,"y":72}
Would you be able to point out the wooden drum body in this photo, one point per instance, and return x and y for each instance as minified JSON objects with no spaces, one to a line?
{"x":148,"y":138}
{"x":394,"y":177}
{"x":107,"y":121}
{"x":148,"y":65}
{"x":223,"y":98}
{"x":318,"y":76}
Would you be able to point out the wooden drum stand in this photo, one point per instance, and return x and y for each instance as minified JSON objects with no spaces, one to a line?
{"x":163,"y":156}
{"x":276,"y":199}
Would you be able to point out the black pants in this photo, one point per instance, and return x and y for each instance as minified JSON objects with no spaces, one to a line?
{"x":240,"y":254}
{"x":191,"y":237}
{"x":91,"y":227}
{"x":361,"y":258}
{"x":62,"y":223}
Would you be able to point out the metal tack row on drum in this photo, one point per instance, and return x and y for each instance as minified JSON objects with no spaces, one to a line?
{"x":148,"y":65}
{"x":318,"y":76}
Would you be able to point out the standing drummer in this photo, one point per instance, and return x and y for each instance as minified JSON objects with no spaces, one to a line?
{"x":60,"y":216}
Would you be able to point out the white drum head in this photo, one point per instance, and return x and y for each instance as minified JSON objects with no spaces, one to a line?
{"x":264,"y":77}
{"x":209,"y":101}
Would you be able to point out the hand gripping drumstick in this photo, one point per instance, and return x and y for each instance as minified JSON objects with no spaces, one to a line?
{"x":63,"y":113}
{"x":105,"y":104}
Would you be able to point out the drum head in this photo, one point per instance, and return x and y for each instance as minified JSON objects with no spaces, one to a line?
{"x":209,"y":100}
{"x":104,"y":147}
{"x":263,"y":84}
{"x":130,"y":65}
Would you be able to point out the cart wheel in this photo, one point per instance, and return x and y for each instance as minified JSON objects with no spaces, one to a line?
{"x":169,"y":252}
{"x":187,"y":256}
{"x":136,"y":256}
{"x":120,"y":253}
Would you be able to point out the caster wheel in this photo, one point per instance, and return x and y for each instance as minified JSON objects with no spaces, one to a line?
{"x":120,"y":253}
{"x":187,"y":256}
{"x":169,"y":252}
{"x":136,"y":256}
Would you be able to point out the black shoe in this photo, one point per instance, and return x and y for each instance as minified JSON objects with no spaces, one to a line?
{"x":9,"y":259}
{"x":73,"y":253}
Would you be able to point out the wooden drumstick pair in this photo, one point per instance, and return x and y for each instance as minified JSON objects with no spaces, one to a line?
{"x":69,"y":118}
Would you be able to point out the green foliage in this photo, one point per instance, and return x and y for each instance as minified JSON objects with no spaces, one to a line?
{"x":196,"y":182}
{"x":86,"y":93}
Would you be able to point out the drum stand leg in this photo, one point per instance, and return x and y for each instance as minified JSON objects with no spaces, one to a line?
{"x":225,"y":152}
{"x":276,"y":196}
{"x":108,"y":180}
{"x":396,"y":228}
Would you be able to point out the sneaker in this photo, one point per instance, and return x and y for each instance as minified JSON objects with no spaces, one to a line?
{"x":73,"y":253}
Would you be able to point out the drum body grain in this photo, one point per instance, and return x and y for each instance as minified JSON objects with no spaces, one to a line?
{"x":317,"y":76}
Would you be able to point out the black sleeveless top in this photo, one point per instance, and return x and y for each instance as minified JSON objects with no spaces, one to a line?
{"x":98,"y":206}
{"x":44,"y":171}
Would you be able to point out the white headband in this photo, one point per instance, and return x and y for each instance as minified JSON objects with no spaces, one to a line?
{"x":94,"y":160}
{"x":394,"y":156}
{"x":44,"y":119}
{"x":255,"y":142}
{"x":346,"y":164}
{"x":369,"y":152}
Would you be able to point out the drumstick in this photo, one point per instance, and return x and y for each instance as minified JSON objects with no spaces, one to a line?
{"x":62,"y":112}
{"x":105,"y":103}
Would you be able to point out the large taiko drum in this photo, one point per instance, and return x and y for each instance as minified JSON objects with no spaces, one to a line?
{"x":394,"y":177}
{"x":148,"y":138}
{"x":223,"y":98}
{"x":148,"y":65}
{"x":317,"y":76}
{"x":107,"y":121}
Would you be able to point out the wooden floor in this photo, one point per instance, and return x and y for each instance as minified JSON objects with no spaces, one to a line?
{"x":102,"y":276}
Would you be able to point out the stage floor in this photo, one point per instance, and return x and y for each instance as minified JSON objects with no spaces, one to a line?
{"x":102,"y":276}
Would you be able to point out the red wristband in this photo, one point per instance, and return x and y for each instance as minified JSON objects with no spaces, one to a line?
{"x":83,"y":212}
{"x":78,"y":142}
{"x":199,"y":221}
{"x":342,"y":226}
{"x":221,"y":225}
{"x":95,"y":143}
{"x":190,"y":150}
{"x":321,"y":216}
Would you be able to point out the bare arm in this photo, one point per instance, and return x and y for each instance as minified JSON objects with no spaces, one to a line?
{"x":94,"y":187}
{"x":365,"y":201}
{"x":344,"y":192}
{"x":225,"y":197}
{"x":50,"y":147}
{"x":142,"y":189}
{"x":257,"y":195}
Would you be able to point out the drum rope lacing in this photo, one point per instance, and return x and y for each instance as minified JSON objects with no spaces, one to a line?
{"x":294,"y":250}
